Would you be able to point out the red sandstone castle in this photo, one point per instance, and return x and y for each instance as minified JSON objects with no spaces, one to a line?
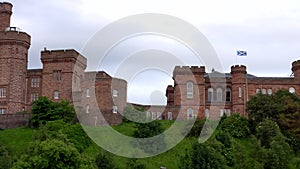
{"x":195,"y":92}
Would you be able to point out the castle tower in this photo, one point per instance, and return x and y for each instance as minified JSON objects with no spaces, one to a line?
{"x":239,"y":88}
{"x":296,"y":70}
{"x":63,"y":71}
{"x":14,"y":47}
{"x":189,"y":90}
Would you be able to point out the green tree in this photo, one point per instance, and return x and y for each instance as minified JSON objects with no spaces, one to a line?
{"x":134,"y":114}
{"x":266,"y":131}
{"x":134,"y":164}
{"x":236,"y":125}
{"x":153,"y":132}
{"x":50,"y":154}
{"x":104,"y":161}
{"x":44,"y":110}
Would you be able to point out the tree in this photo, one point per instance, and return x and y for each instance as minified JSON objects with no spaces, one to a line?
{"x":134,"y":114}
{"x":266,"y":131}
{"x":50,"y":154}
{"x":44,"y":110}
{"x":236,"y":125}
{"x":104,"y":161}
{"x":153,"y":132}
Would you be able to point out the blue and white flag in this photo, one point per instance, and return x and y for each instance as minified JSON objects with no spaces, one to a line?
{"x":241,"y":53}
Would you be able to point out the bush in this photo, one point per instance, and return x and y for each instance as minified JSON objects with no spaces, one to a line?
{"x":236,"y":125}
{"x":104,"y":161}
{"x":5,"y":158}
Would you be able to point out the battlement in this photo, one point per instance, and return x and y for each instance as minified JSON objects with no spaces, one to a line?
{"x":238,"y":69}
{"x":296,"y":65}
{"x":62,"y":55}
{"x":12,"y":37}
{"x":189,"y":70}
{"x":6,"y":7}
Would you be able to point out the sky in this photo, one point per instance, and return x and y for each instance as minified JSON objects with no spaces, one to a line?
{"x":268,"y":30}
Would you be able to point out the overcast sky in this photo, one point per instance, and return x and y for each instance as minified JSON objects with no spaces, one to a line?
{"x":268,"y":29}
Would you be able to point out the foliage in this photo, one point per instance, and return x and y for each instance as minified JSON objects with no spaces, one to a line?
{"x":44,"y":110}
{"x":72,"y":134}
{"x":49,"y":154}
{"x":134,"y":114}
{"x":236,"y":126}
{"x":134,"y":164}
{"x":202,"y":157}
{"x":5,"y":158}
{"x":266,"y":131}
{"x":152,"y":131}
{"x":195,"y":131}
{"x":104,"y":161}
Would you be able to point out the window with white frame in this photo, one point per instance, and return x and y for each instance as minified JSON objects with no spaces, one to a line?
{"x":222,"y":111}
{"x":34,"y":96}
{"x":219,"y":94}
{"x":270,"y":91}
{"x":207,"y":113}
{"x":2,"y":92}
{"x":154,"y":115}
{"x":88,"y":93}
{"x":115,"y":93}
{"x":2,"y":110}
{"x":228,"y":112}
{"x":35,"y":82}
{"x":87,"y":109}
{"x":210,"y":95}
{"x":115,"y":109}
{"x":264,"y":91}
{"x":189,"y":90}
{"x":148,"y":115}
{"x":170,"y":116}
{"x":292,"y":90}
{"x":228,"y":95}
{"x":56,"y":95}
{"x":257,"y":91}
{"x":159,"y":115}
{"x":190,"y":113}
{"x":240,"y":91}
{"x":57,"y":75}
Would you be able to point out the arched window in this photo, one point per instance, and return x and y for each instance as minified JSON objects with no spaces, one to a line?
{"x":257,"y":91}
{"x":56,"y":95}
{"x":88,"y":93}
{"x":190,"y":113}
{"x":228,"y":95}
{"x":270,"y":91}
{"x":292,"y":90}
{"x":210,"y":96}
{"x":219,"y":94}
{"x":207,"y":113}
{"x":240,"y":91}
{"x":87,"y":108}
{"x":189,"y":90}
{"x":264,"y":91}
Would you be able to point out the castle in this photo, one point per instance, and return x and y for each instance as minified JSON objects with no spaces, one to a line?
{"x":195,"y":93}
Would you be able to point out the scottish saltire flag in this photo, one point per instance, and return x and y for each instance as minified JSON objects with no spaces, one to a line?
{"x":241,"y":53}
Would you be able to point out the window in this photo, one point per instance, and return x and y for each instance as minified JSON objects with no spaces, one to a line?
{"x":34,"y":96}
{"x":88,"y":93}
{"x":240,"y":92}
{"x":56,"y":95}
{"x":207,"y":113}
{"x":189,"y":90}
{"x":170,"y":116}
{"x":210,"y":94}
{"x":2,"y":92}
{"x":87,"y":109}
{"x":269,"y":91}
{"x":57,"y":75}
{"x":228,"y":112}
{"x":228,"y":95}
{"x":35,"y":82}
{"x":292,"y":90}
{"x":148,"y":115}
{"x":190,"y":113}
{"x":154,"y":115}
{"x":219,"y":94}
{"x":2,"y":110}
{"x":115,"y":93}
{"x":115,"y":109}
{"x":221,"y":112}
{"x":264,"y":91}
{"x":159,"y":115}
{"x":257,"y":91}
